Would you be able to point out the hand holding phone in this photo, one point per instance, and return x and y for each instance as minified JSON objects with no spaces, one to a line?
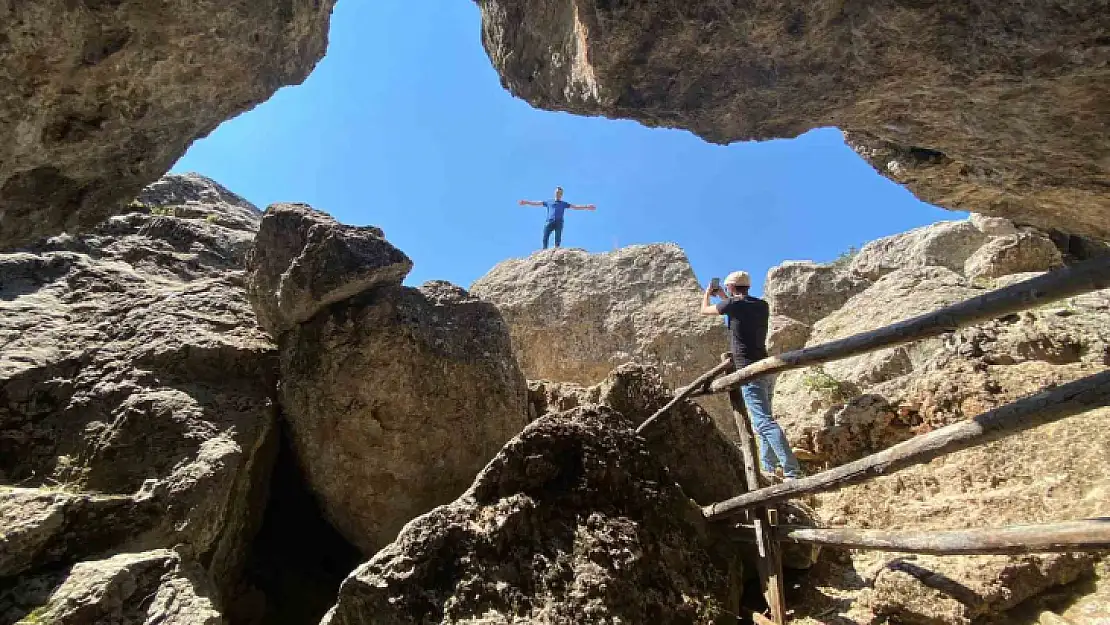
{"x":714,"y":285}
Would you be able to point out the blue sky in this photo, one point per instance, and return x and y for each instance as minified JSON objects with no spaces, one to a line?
{"x":405,"y":126}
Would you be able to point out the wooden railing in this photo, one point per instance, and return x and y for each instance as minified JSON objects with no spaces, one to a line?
{"x":757,"y":505}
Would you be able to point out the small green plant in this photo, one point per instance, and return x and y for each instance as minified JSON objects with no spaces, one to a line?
{"x":831,"y":389}
{"x":36,"y":616}
{"x":164,"y":211}
{"x":137,"y":205}
{"x":210,"y":218}
{"x":845,"y":257}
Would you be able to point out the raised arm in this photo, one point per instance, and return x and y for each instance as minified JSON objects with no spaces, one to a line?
{"x":530,"y":203}
{"x":708,"y":308}
{"x":583,"y":207}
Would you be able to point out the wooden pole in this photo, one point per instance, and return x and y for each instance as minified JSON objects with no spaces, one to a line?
{"x":686,"y":391}
{"x":1090,"y":275}
{"x":769,"y":560}
{"x":1044,"y":407}
{"x":1088,"y":535}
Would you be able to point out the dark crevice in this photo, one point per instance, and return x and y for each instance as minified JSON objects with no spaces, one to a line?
{"x":297,"y":561}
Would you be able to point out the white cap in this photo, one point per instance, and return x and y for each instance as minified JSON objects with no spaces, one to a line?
{"x":738,"y":278}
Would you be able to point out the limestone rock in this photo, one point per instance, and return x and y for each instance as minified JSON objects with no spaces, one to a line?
{"x":573,"y":521}
{"x":847,"y":409}
{"x":574,"y":316}
{"x":945,"y":244}
{"x":786,"y":335}
{"x":931,"y":589}
{"x":685,"y":432}
{"x":637,"y":392}
{"x":994,"y":226}
{"x":303,"y":260}
{"x":98,"y":99}
{"x":996,"y":111}
{"x":136,"y":391}
{"x":1018,"y":253}
{"x":395,"y":399}
{"x":150,"y":588}
{"x":807,"y":291}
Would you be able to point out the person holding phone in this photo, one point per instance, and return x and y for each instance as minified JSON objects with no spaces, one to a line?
{"x":748,"y":318}
{"x":555,"y":209}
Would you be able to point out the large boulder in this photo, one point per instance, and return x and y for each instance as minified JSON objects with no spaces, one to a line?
{"x":574,"y":316}
{"x":1016,"y":253}
{"x":99,"y":99}
{"x":574,"y":521}
{"x":685,"y":432}
{"x":808,"y":291}
{"x":785,"y":334}
{"x":150,"y":588}
{"x":395,"y":397}
{"x":136,"y":390}
{"x":945,"y":244}
{"x":993,"y":109}
{"x":304,"y":260}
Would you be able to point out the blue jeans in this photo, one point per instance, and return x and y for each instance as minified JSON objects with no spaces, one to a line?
{"x":557,"y":228}
{"x":774,"y":449}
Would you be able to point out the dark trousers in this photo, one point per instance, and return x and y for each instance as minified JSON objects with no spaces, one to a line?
{"x":557,"y":228}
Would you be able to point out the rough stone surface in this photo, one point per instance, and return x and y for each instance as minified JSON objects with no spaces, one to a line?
{"x":574,"y":521}
{"x":303,"y":260}
{"x":395,"y":399}
{"x":136,"y":390}
{"x":1018,"y":253}
{"x":945,"y":244}
{"x":98,"y":99}
{"x":785,"y":334}
{"x":574,"y":316}
{"x":149,"y":588}
{"x":854,"y":407}
{"x":686,"y":432}
{"x":994,"y":226}
{"x":932,"y":589}
{"x":998,"y":109}
{"x":807,"y":291}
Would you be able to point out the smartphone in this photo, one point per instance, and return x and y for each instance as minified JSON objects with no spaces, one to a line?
{"x":714,"y":285}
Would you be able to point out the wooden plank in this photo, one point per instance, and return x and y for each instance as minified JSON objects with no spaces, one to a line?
{"x":1090,"y":275}
{"x":1044,"y":407}
{"x":687,"y":391}
{"x":1087,"y":535}
{"x":769,"y":562}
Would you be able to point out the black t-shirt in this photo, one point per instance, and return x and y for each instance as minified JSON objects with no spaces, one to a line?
{"x":747,"y":322}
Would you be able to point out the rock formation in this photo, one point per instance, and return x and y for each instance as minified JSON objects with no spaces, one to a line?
{"x":574,"y":521}
{"x":853,"y":407}
{"x":303,"y":261}
{"x":98,"y":99}
{"x":686,"y":432}
{"x":395,"y":397}
{"x":149,"y":587}
{"x":998,"y":109}
{"x":574,"y":316}
{"x":136,"y":411}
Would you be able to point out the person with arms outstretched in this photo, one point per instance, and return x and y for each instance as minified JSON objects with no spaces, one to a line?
{"x":747,"y":323}
{"x":555,"y":209}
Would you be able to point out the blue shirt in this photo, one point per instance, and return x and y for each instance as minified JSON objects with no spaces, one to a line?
{"x":555,"y":209}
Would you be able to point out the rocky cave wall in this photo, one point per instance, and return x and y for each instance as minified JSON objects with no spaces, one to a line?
{"x":99,"y":98}
{"x":996,"y":108}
